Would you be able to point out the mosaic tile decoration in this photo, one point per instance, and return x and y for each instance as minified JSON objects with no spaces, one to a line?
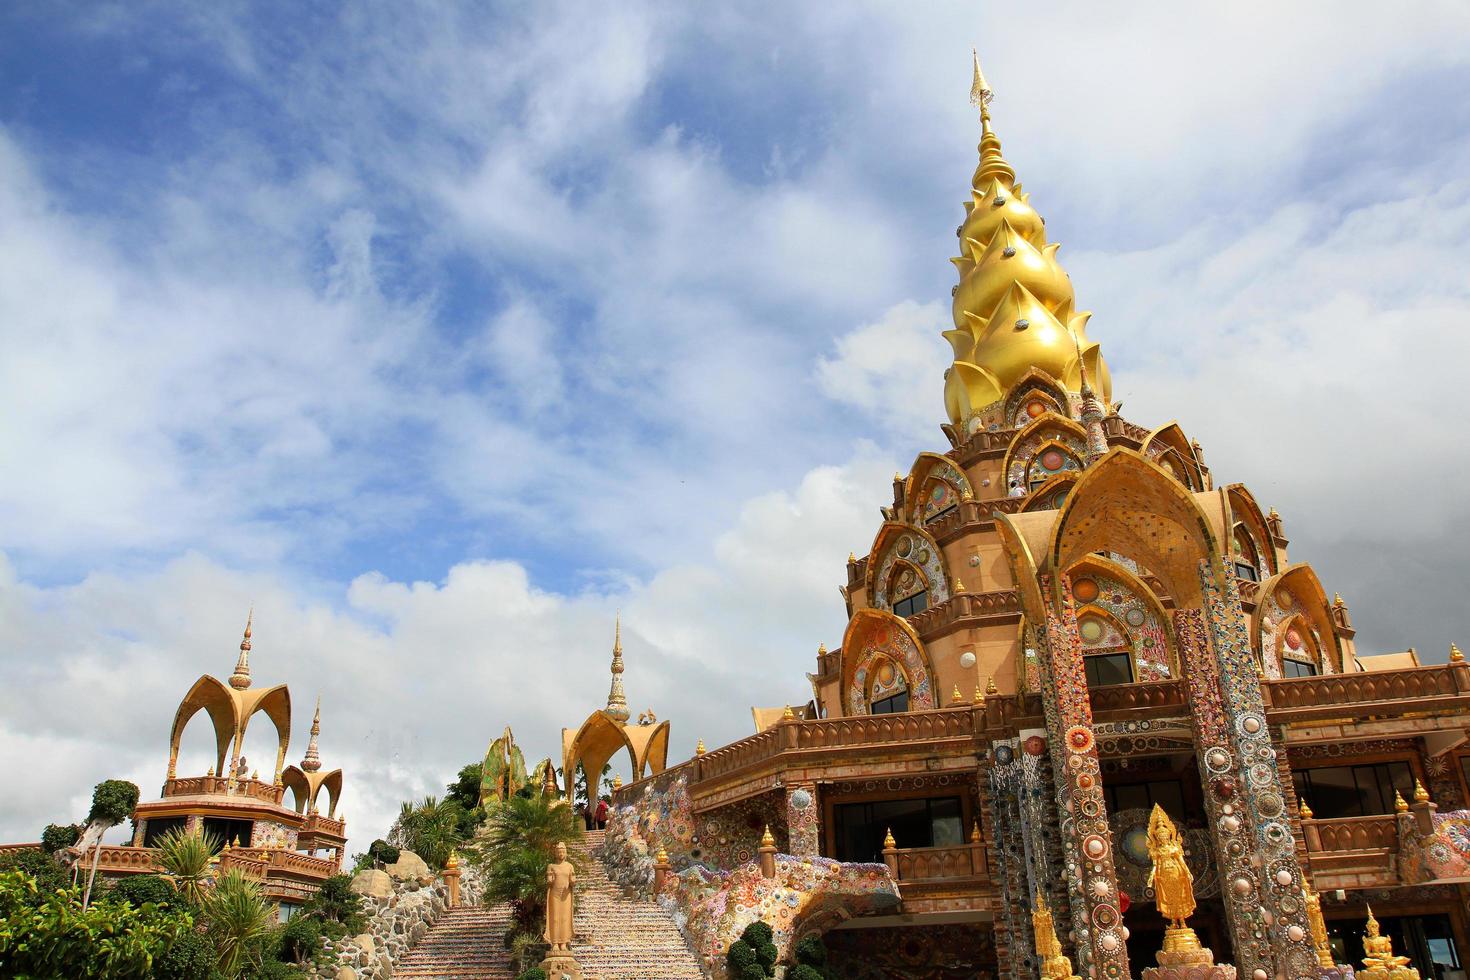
{"x":914,"y":547}
{"x":1287,"y":631}
{"x":885,"y":641}
{"x":1088,"y":846}
{"x":1130,"y":622}
{"x":1425,"y":858}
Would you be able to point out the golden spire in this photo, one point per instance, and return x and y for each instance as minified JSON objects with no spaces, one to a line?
{"x":766,"y":839}
{"x":1421,"y":795}
{"x":956,"y":697}
{"x":1399,"y":805}
{"x":990,"y":687}
{"x":313,"y":760}
{"x":1456,"y":657}
{"x":1306,"y":811}
{"x":788,"y":714}
{"x":888,"y":842}
{"x":979,"y":699}
{"x":240,"y":679}
{"x":1014,"y":308}
{"x":617,"y":702}
{"x":699,"y":747}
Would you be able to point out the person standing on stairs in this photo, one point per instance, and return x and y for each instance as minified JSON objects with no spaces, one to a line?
{"x":601,"y":820}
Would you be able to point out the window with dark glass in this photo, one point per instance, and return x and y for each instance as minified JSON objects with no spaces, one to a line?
{"x":236,"y":833}
{"x":912,"y":605}
{"x":1296,"y":668}
{"x":931,"y":822}
{"x":1354,"y":791}
{"x":942,"y":514}
{"x":1106,"y":669}
{"x":158,"y":827}
{"x":1167,"y":793}
{"x":892,"y":705}
{"x":1246,"y":571}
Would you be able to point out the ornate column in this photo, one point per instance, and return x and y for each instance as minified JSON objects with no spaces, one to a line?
{"x":1087,"y":843}
{"x":802,"y":819}
{"x":1260,"y":873}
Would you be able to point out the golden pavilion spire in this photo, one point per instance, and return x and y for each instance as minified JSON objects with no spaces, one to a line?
{"x":617,"y":702}
{"x":313,"y":760}
{"x":240,"y":679}
{"x":1014,"y":310}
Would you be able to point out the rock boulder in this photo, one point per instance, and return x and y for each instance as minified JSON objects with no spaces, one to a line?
{"x":409,"y":865}
{"x":374,"y":884}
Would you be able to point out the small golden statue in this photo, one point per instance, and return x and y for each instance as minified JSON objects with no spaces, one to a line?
{"x":1173,"y":886}
{"x":1379,"y":961}
{"x":1318,"y":925}
{"x":1054,"y":963}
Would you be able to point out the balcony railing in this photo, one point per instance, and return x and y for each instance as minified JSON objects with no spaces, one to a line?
{"x":938,"y":863}
{"x":319,"y":823}
{"x":1151,"y":698}
{"x":221,"y":786}
{"x":1367,"y":693}
{"x":1353,"y":852}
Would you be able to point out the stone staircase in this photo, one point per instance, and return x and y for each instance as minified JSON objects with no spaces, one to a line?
{"x":618,"y":938}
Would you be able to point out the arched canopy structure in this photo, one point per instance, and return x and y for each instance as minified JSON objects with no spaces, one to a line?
{"x":1034,"y":395}
{"x":1106,"y":589}
{"x":1052,"y":494}
{"x":1249,"y":529}
{"x":1128,"y":505}
{"x":601,"y":737}
{"x":1290,"y":602}
{"x":898,"y":542}
{"x":307,"y":787}
{"x":1047,"y":446}
{"x":1168,"y":446}
{"x":935,"y":486}
{"x":875,"y":637}
{"x":230,"y":712}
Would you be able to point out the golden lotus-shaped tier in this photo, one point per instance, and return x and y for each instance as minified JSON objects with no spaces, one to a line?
{"x":1014,"y":307}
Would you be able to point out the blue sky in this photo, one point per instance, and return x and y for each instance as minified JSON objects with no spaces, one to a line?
{"x":442,"y":331}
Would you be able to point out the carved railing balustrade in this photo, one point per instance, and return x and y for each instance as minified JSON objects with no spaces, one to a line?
{"x":966,"y":606}
{"x":1146,"y":699}
{"x":318,"y":823}
{"x":1365,"y":694}
{"x":221,"y":786}
{"x":940,"y":863}
{"x":1353,"y":852}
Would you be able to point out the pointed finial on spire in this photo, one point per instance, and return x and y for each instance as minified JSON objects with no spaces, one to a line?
{"x":889,"y":843}
{"x":1306,"y":811}
{"x":959,"y":585}
{"x":956,"y":697}
{"x":1456,"y":657}
{"x":788,"y":714}
{"x":1399,"y":805}
{"x":313,"y":760}
{"x":979,"y":699}
{"x":1337,"y":599}
{"x":617,"y":702}
{"x":990,"y":687}
{"x":980,"y":93}
{"x":1421,"y":795}
{"x":240,"y":679}
{"x":699,"y":747}
{"x":767,"y":840}
{"x":851,"y":558}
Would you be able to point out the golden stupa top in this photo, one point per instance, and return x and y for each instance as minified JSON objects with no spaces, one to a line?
{"x":1013,"y":309}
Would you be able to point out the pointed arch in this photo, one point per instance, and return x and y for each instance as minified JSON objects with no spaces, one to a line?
{"x":601,"y":738}
{"x":1155,"y":651}
{"x":211,"y":695}
{"x":1170,"y":438}
{"x":1051,"y":494}
{"x":1034,"y":394}
{"x":1246,"y":511}
{"x":275,"y":704}
{"x":875,"y":634}
{"x":896,"y":542}
{"x":332,"y":784}
{"x":1050,"y":430}
{"x":1127,"y":504}
{"x":1024,"y":571}
{"x":935,"y":486}
{"x":1296,"y":592}
{"x":295,"y":780}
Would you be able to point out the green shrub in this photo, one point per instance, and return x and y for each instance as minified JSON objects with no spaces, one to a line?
{"x":337,"y":907}
{"x":513,"y":849}
{"x":189,"y":957}
{"x":276,"y":970}
{"x":113,"y":801}
{"x":810,"y":951}
{"x":138,"y":890}
{"x":49,"y":876}
{"x":383,"y":852}
{"x":57,"y":836}
{"x":804,"y":971}
{"x":534,"y":973}
{"x":758,"y":937}
{"x":739,"y":957}
{"x":300,"y":940}
{"x":49,"y":934}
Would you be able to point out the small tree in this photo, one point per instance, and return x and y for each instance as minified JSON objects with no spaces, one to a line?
{"x":382,"y":853}
{"x":513,"y":849}
{"x":336,"y":906}
{"x":238,"y":918}
{"x":753,"y":955}
{"x":58,"y":837}
{"x":811,"y":959}
{"x":186,"y":861}
{"x":430,"y":830}
{"x":113,"y":801}
{"x":139,"y":890}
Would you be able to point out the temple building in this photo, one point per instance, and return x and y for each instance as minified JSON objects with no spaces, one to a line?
{"x":290,"y":847}
{"x":1064,"y":620}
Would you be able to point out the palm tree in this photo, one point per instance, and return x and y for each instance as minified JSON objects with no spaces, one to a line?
{"x":515,"y":845}
{"x":238,"y":916}
{"x":185,"y":858}
{"x":431,"y":830}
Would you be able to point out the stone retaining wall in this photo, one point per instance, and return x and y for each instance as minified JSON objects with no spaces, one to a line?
{"x":400,"y":911}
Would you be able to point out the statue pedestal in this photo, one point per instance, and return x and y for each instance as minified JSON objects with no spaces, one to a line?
{"x":1183,"y":958}
{"x":559,"y":965}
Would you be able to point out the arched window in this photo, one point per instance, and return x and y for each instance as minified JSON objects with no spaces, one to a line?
{"x":1107,"y":649}
{"x":889,"y":693}
{"x":1050,"y":459}
{"x":908,"y":590}
{"x":940,"y":500}
{"x":1299,"y":656}
{"x":1247,"y":557}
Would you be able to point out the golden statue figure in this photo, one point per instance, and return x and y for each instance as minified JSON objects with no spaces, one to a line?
{"x":1318,"y":925}
{"x":1379,"y":961}
{"x":1173,"y":886}
{"x":1054,"y":963}
{"x":560,"y":877}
